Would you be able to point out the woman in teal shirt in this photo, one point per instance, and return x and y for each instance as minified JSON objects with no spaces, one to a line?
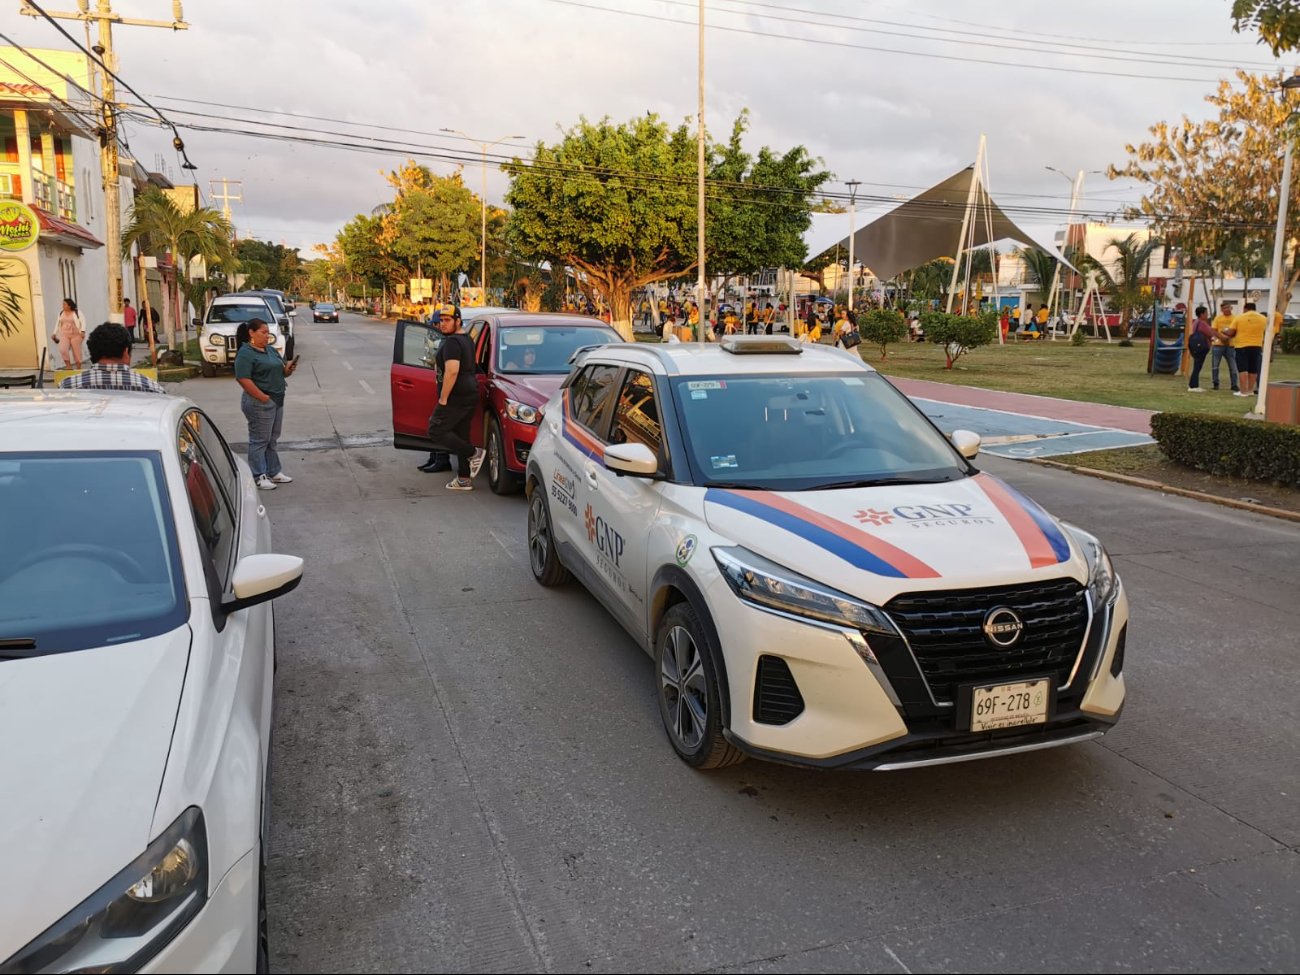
{"x":261,"y":372}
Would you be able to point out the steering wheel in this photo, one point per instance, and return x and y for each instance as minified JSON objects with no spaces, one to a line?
{"x":125,"y":566}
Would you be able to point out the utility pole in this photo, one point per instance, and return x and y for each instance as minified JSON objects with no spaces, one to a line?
{"x":104,"y":16}
{"x":483,"y":148}
{"x":853,"y":185}
{"x":226,"y":197}
{"x":700,"y":285}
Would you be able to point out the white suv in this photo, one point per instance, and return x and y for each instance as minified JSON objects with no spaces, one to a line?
{"x":821,"y":577}
{"x":218,"y":328}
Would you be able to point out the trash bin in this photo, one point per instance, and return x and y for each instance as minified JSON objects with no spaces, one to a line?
{"x":1282,"y":401}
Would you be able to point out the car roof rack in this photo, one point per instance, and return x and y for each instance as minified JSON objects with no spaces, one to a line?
{"x":762,"y":345}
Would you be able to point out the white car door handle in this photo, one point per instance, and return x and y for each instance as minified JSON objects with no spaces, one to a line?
{"x":592,"y":481}
{"x":261,"y":511}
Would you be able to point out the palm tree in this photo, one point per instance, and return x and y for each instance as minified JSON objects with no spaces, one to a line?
{"x":11,"y":303}
{"x":1130,"y":267}
{"x":203,"y":232}
{"x":1040,"y":266}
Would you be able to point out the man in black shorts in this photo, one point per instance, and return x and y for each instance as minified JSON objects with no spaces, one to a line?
{"x":449,"y":426}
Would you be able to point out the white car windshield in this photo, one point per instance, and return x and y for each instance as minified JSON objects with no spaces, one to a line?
{"x":90,"y":552}
{"x":808,"y":432}
{"x":546,"y":350}
{"x":241,"y":312}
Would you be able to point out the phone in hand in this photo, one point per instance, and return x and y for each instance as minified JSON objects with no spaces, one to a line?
{"x":295,"y":359}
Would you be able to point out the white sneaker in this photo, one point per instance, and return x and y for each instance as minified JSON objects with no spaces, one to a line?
{"x":1240,"y":393}
{"x":264,"y":483}
{"x":456,"y":484}
{"x":1195,"y":389}
{"x":476,"y":462}
{"x":282,"y":478}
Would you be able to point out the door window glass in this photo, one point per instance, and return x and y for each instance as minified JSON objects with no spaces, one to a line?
{"x":212,"y":515}
{"x":592,"y":395}
{"x":217,"y":453}
{"x":419,"y":344}
{"x":636,"y":417}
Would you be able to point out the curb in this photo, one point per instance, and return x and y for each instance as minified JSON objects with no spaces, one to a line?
{"x":1142,"y":482}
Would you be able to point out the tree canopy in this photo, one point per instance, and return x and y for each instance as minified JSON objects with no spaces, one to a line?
{"x":1277,"y":21}
{"x":1211,"y":186}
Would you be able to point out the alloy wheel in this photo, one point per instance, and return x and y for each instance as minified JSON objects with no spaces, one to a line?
{"x":685,"y":688}
{"x":539,"y":533}
{"x":493,"y":456}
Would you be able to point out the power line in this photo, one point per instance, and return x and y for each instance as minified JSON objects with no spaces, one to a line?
{"x":1109,"y":53}
{"x":179,"y":143}
{"x":884,"y":50}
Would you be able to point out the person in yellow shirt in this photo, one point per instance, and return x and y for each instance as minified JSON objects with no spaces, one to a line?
{"x":1248,"y":339}
{"x":1041,"y":319}
{"x":1221,"y":349}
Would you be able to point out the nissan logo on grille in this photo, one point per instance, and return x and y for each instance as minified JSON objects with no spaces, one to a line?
{"x":1002,"y":627}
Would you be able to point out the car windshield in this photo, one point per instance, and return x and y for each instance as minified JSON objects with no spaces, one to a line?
{"x":276,"y":304}
{"x":324,"y":307}
{"x":808,"y":432}
{"x":238,"y":312}
{"x":90,"y":552}
{"x":546,"y":350}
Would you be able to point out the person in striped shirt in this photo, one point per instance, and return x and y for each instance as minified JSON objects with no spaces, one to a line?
{"x":110,"y":356}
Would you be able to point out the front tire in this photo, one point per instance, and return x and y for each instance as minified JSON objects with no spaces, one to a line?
{"x":207,"y":369}
{"x":688,"y":687}
{"x":543,"y":557}
{"x":288,"y":348}
{"x":500,"y":479}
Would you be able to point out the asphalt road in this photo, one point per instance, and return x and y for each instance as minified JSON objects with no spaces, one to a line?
{"x":470,"y":774}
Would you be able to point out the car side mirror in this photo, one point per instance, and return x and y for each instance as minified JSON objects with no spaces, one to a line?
{"x":261,"y":578}
{"x":966,"y":442}
{"x":631,"y":458}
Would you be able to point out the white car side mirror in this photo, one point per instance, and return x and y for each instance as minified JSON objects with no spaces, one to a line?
{"x":259,"y":578}
{"x":966,"y":442}
{"x":632,"y":458}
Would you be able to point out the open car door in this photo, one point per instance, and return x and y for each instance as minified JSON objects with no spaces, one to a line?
{"x":413,"y":383}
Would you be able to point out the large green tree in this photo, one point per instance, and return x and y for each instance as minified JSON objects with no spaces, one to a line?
{"x":365,"y":255}
{"x":1122,"y":275}
{"x":617,"y":204}
{"x":1277,"y":21}
{"x":266,"y":265}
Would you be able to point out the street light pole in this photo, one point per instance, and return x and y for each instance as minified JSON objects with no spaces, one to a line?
{"x":853,"y":185}
{"x":1279,"y":242}
{"x":483,"y":148}
{"x":699,"y":188}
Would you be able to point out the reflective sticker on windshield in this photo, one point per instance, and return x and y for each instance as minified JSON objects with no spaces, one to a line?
{"x":723,"y":461}
{"x":706,"y":384}
{"x":699,"y":394}
{"x":851,"y":380}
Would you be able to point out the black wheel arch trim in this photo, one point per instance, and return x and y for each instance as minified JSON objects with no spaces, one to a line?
{"x":677,"y":578}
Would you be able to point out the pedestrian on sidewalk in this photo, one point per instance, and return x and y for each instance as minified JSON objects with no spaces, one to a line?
{"x":1198,"y":344}
{"x":449,"y":426}
{"x":261,"y":372}
{"x":1221,"y":349}
{"x":128,"y":318}
{"x":1248,"y":339}
{"x":70,"y":332}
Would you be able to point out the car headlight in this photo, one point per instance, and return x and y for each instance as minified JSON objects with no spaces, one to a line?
{"x":1103,"y":583}
{"x":770,"y":586}
{"x":133,"y":916}
{"x":522,"y":412}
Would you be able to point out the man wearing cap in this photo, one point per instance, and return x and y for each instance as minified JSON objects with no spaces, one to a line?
{"x":449,"y":426}
{"x":439,"y":460}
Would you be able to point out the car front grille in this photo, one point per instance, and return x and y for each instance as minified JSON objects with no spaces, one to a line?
{"x":945,"y":631}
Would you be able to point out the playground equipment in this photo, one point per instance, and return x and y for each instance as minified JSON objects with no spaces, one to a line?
{"x":1168,"y":340}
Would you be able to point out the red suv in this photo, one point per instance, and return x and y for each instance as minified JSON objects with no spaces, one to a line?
{"x":522,"y":358}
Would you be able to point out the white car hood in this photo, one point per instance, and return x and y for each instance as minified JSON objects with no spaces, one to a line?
{"x":880,"y":541}
{"x":86,"y":736}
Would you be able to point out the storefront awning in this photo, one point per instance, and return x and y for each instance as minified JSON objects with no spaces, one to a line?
{"x":57,"y":230}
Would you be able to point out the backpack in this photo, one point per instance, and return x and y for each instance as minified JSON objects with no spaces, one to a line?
{"x":1198,"y":343}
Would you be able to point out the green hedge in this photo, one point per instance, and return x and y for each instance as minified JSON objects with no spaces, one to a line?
{"x":1252,"y":449}
{"x":1291,"y":340}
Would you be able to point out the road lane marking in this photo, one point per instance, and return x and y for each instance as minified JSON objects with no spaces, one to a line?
{"x":890,"y":952}
{"x":347,"y":365}
{"x":366,"y":386}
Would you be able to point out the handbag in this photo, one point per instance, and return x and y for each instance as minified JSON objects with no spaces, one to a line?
{"x":851,"y":339}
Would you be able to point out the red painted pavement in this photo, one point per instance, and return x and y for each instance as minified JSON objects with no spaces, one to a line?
{"x":1094,"y":414}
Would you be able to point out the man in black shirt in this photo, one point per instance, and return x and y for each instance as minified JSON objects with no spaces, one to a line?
{"x":449,"y":427}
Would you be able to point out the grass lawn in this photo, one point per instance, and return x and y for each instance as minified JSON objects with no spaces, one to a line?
{"x":1095,"y":373}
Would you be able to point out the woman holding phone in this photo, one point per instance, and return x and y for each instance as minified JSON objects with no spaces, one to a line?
{"x":261,"y":372}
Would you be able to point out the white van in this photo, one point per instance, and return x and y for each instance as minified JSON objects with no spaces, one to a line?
{"x":218,"y":327}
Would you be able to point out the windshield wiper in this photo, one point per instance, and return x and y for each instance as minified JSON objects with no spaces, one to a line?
{"x":878,"y":482}
{"x":737,"y":486}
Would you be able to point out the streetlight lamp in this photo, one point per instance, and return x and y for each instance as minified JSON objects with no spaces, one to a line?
{"x":1279,"y":241}
{"x":484,"y":147}
{"x":853,"y":185}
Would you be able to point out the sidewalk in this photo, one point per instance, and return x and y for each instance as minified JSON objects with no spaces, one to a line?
{"x":1025,"y":404}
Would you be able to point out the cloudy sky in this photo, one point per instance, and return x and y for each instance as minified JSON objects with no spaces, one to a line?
{"x":895,"y":94}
